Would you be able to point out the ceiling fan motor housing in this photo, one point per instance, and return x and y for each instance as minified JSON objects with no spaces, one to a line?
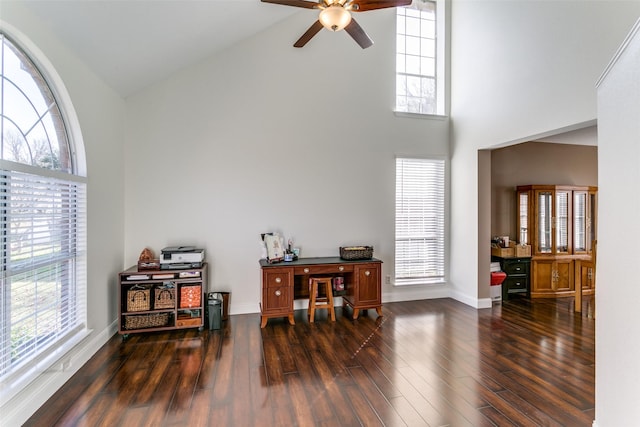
{"x":335,"y":17}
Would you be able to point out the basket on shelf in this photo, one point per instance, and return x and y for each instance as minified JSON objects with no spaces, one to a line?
{"x":190,"y":296}
{"x":138,"y":298}
{"x":356,"y":252}
{"x":164,"y":296}
{"x":153,"y":320}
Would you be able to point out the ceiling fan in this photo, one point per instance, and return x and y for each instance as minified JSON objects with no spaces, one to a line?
{"x":335,"y":15}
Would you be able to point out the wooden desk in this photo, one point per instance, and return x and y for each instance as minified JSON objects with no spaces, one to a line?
{"x":284,"y":282}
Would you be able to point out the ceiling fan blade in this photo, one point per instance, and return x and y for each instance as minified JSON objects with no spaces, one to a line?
{"x":295,"y":3}
{"x":355,"y":30}
{"x":364,"y":5}
{"x":312,"y":31}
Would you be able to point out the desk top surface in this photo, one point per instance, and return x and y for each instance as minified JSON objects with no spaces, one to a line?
{"x":316,"y":261}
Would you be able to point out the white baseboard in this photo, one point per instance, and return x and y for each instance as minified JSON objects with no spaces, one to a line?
{"x":433,"y":292}
{"x":244,"y":309}
{"x":415,"y":293}
{"x":18,"y":410}
{"x":473,"y":302}
{"x":410,"y":295}
{"x":484,"y":303}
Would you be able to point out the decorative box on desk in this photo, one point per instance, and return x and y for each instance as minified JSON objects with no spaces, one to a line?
{"x":147,"y":299}
{"x":286,"y":281}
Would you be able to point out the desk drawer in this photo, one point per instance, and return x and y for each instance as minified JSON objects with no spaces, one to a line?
{"x":323,"y":269}
{"x":276,"y":278}
{"x":516,"y":283}
{"x":516,"y":266}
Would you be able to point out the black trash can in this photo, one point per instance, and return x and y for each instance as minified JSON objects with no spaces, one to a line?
{"x":224,"y":297}
{"x":214,"y":311}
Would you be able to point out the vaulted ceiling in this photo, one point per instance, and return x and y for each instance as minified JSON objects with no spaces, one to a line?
{"x":131,"y":44}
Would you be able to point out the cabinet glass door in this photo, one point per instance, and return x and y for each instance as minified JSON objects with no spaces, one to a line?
{"x":591,"y":220}
{"x":562,"y":221}
{"x":580,"y":223}
{"x":544,"y":219}
{"x":523,"y":217}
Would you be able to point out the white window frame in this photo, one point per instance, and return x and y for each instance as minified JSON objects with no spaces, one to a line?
{"x":421,"y":9}
{"x":65,"y":195}
{"x":420,"y":221}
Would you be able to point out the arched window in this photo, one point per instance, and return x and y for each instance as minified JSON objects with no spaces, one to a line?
{"x":42,"y":221}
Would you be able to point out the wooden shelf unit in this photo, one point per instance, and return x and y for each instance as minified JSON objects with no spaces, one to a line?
{"x":188,"y":309}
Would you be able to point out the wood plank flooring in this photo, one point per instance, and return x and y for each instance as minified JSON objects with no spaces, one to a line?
{"x":425,"y":363}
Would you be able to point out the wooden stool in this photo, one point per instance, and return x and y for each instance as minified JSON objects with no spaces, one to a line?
{"x":321,"y":302}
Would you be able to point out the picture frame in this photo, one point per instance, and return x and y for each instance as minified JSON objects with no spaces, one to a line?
{"x":275,"y":248}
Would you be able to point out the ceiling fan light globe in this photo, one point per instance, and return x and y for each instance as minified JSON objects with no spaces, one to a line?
{"x":335,"y":17}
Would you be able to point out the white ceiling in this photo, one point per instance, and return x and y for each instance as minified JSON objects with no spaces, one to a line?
{"x":583,"y":136}
{"x":131,"y":44}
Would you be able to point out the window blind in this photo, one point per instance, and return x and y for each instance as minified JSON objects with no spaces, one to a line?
{"x":420,"y":221}
{"x":43,"y":298}
{"x":580,"y":221}
{"x":524,"y":218}
{"x":562,"y":221}
{"x":544,"y":218}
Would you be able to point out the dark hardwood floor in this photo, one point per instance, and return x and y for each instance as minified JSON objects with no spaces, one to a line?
{"x":425,"y":363}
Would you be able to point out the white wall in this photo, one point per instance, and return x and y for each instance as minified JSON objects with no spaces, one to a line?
{"x":100,"y":113}
{"x":617,"y":326}
{"x":265,"y":137}
{"x":519,"y":69}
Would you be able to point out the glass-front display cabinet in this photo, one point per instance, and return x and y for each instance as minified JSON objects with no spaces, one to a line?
{"x":559,"y":222}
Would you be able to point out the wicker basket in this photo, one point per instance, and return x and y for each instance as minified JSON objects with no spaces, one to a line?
{"x":356,"y":252}
{"x":154,"y":320}
{"x":138,"y":298}
{"x":190,"y":296}
{"x":164,"y":297}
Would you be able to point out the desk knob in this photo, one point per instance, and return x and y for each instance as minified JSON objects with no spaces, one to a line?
{"x":367,"y":273}
{"x":278,"y":280}
{"x":278,"y":293}
{"x":341,"y":268}
{"x":306,"y":270}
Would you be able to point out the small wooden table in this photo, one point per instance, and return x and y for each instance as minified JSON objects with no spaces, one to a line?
{"x":284,"y":282}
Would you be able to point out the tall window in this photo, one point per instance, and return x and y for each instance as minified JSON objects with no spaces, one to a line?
{"x":420,"y":221}
{"x":418,"y":88}
{"x":42,"y":224}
